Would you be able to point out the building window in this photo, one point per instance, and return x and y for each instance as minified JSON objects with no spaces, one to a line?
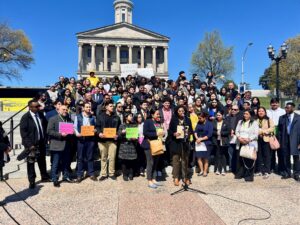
{"x":123,"y":17}
{"x":108,"y":54}
{"x":157,"y":55}
{"x":139,"y":55}
{"x":124,"y":54}
{"x":89,"y":53}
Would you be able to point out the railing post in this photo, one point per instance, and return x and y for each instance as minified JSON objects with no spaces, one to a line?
{"x":11,"y":135}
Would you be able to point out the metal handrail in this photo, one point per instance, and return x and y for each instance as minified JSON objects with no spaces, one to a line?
{"x":14,"y":115}
{"x":12,"y":128}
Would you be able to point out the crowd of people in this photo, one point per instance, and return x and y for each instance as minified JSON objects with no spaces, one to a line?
{"x":188,"y":124}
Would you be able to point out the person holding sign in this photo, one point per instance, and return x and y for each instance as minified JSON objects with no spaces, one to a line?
{"x":60,"y":145}
{"x":84,"y":126}
{"x":107,"y":124}
{"x":150,"y":133}
{"x":127,"y":149}
{"x":179,"y":132}
{"x":203,"y":134}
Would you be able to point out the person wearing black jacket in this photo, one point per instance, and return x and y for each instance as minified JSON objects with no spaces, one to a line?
{"x":33,"y":132}
{"x":232,"y":119}
{"x":151,"y":132}
{"x":4,"y":150}
{"x":179,"y":133}
{"x":221,"y":135}
{"x":107,"y":146}
{"x":139,"y":97}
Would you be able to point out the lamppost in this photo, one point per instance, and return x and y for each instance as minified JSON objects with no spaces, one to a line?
{"x":243,"y":61}
{"x":277,"y":59}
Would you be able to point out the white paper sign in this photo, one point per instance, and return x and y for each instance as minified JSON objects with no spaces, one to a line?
{"x":201,"y":147}
{"x":128,"y":69}
{"x":145,"y":72}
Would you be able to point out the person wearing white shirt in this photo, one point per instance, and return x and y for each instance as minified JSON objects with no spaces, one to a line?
{"x":274,"y":113}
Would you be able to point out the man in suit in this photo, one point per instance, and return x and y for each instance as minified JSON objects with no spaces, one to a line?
{"x":289,"y":138}
{"x":60,"y":146}
{"x":33,"y":132}
{"x":97,"y":96}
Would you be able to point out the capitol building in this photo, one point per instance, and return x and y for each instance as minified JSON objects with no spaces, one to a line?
{"x":103,"y":50}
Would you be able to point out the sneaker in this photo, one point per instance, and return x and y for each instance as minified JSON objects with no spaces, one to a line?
{"x":223,"y":173}
{"x":158,"y":183}
{"x":258,"y":174}
{"x":217,"y":173}
{"x":266,"y":176}
{"x":125,"y":178}
{"x":153,"y":186}
{"x":200,"y":174}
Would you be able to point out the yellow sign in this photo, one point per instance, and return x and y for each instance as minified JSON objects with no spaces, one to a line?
{"x":14,"y":104}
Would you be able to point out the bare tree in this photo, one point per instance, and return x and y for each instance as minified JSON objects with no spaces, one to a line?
{"x":212,"y":56}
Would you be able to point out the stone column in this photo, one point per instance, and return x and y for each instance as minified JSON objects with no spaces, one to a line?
{"x":142,"y":56}
{"x":118,"y":57}
{"x":80,"y":57}
{"x":166,"y":59}
{"x":93,"y":57}
{"x":105,"y":60}
{"x":130,"y":54}
{"x":154,"y":58}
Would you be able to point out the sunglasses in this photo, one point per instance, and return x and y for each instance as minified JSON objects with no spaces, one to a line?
{"x":234,"y":109}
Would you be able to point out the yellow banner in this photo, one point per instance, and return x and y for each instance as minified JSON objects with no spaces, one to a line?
{"x":13,"y":104}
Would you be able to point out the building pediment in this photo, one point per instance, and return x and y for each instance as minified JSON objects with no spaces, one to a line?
{"x":122,"y":31}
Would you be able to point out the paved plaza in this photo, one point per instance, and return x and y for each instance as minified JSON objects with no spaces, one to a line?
{"x":133,"y":203}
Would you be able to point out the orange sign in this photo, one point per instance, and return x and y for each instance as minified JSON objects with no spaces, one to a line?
{"x":87,"y":131}
{"x":109,"y":132}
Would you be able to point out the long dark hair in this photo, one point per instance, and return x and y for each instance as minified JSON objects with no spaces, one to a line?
{"x":263,"y":108}
{"x":251,"y":118}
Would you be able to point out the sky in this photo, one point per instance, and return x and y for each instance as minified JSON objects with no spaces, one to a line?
{"x":51,"y":26}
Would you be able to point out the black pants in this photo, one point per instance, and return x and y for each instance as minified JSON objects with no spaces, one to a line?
{"x":220,"y":162}
{"x":41,"y":160}
{"x":127,"y":167}
{"x":152,"y":162}
{"x":287,"y":166}
{"x":279,"y":167}
{"x":263,"y":162}
{"x":245,"y":168}
{"x":141,"y":160}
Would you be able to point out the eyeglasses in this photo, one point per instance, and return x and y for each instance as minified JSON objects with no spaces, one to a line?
{"x":234,"y":109}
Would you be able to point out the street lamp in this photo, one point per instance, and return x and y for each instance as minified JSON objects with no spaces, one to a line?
{"x":277,"y":59}
{"x":243,"y":61}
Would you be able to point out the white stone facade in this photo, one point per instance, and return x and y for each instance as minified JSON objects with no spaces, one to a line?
{"x":102,"y":50}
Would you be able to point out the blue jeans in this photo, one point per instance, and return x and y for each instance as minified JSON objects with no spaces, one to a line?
{"x":85,"y":152}
{"x":60,"y":158}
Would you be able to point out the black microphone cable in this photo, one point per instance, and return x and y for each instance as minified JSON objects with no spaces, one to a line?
{"x":246,"y":203}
